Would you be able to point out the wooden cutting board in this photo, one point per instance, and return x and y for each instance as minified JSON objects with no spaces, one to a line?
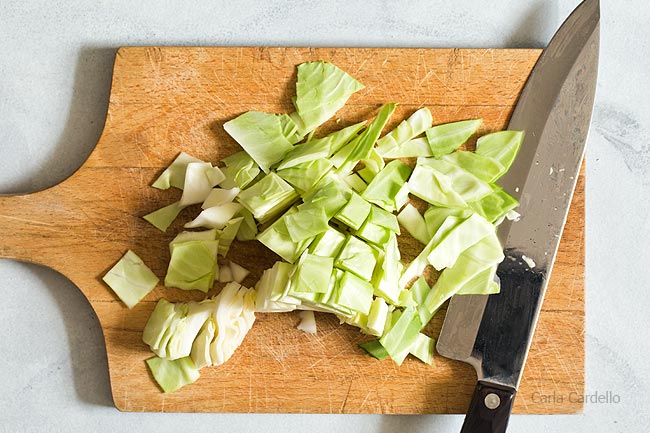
{"x":167,"y":100}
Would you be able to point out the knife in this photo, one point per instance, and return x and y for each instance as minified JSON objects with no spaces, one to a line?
{"x":493,"y":332}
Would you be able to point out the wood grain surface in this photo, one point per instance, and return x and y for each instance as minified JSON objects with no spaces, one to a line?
{"x":167,"y":100}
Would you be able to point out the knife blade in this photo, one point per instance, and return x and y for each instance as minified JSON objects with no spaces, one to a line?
{"x":493,"y":332}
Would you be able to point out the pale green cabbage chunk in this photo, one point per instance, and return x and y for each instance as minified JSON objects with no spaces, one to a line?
{"x":328,"y":243}
{"x":304,"y":176}
{"x":306,"y":223}
{"x":463,"y":236}
{"x":414,"y":223}
{"x":163,"y":217}
{"x":200,"y":178}
{"x":173,"y":375}
{"x":422,"y":348}
{"x":354,"y":293}
{"x":446,"y":138}
{"x":131,"y":279}
{"x":174,"y":175}
{"x":483,"y":167}
{"x":501,"y":146}
{"x":219,"y":196}
{"x":415,"y":125}
{"x":312,"y":274}
{"x":357,"y":257}
{"x":193,"y":265}
{"x":215,"y":217}
{"x":262,"y":136}
{"x":363,"y":145}
{"x":386,"y":278}
{"x":321,"y":90}
{"x":386,"y":185}
{"x":228,"y":235}
{"x":240,"y":171}
{"x":414,"y":148}
{"x":268,"y":197}
{"x":401,"y":336}
{"x":276,"y":238}
{"x":355,"y":212}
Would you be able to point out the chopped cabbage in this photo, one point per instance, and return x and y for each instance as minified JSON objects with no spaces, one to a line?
{"x":163,"y":217}
{"x":446,"y":138}
{"x":131,"y":279}
{"x":174,"y":175}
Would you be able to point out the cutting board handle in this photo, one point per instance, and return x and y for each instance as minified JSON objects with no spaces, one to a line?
{"x":35,"y":226}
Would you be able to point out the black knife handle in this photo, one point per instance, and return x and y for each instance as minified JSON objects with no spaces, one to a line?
{"x":489,"y":410}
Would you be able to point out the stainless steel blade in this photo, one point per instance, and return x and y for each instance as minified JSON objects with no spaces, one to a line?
{"x":493,"y":333}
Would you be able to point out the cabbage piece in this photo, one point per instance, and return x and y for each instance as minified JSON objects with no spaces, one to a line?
{"x":271,"y":288}
{"x":402,"y":198}
{"x":364,"y":144}
{"x":386,"y":278}
{"x":240,"y":170}
{"x":415,"y":125}
{"x":495,"y":205}
{"x":372,"y":165}
{"x":187,"y":328}
{"x":306,"y":223}
{"x":482,"y":284}
{"x":130,"y":279}
{"x":312,"y":274}
{"x":328,"y":243}
{"x":501,"y":146}
{"x":378,"y":226}
{"x":200,"y":352}
{"x":411,"y":219}
{"x":219,"y":196}
{"x":434,"y":187}
{"x":465,"y":184}
{"x":401,"y":336}
{"x":239,"y":273}
{"x":416,"y":267}
{"x":163,"y":217}
{"x":463,"y":236}
{"x":483,"y":167}
{"x":342,"y":154}
{"x":384,"y":188}
{"x":158,"y":324}
{"x":330,"y":195}
{"x":225,"y":274}
{"x":304,"y":176}
{"x":303,"y":153}
{"x":470,"y":263}
{"x":355,"y":212}
{"x":446,"y":138}
{"x":377,"y":317}
{"x":420,"y":290}
{"x":354,"y":293}
{"x":375,"y":349}
{"x":174,"y":175}
{"x":434,"y":217}
{"x":411,"y":149}
{"x":355,"y":182}
{"x":205,"y":235}
{"x":228,"y":235}
{"x":234,"y":316}
{"x":307,"y":322}
{"x":321,"y":90}
{"x":422,"y":348}
{"x":320,"y":147}
{"x":248,"y":228}
{"x":276,"y":238}
{"x":173,"y":375}
{"x":193,"y":265}
{"x":268,"y":197}
{"x":200,"y":178}
{"x":215,"y":217}
{"x":262,"y":136}
{"x":357,"y":257}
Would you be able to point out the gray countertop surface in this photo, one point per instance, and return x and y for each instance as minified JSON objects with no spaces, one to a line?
{"x":54,"y":83}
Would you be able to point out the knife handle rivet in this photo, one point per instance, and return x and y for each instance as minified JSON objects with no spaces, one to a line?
{"x":492,"y":401}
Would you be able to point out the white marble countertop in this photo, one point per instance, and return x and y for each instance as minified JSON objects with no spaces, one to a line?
{"x":54,"y":82}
